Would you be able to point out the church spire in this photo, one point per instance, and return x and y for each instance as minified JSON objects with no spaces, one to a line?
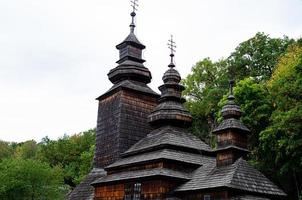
{"x":170,"y":110}
{"x":130,"y":57}
{"x":231,"y":132}
{"x":133,"y":14}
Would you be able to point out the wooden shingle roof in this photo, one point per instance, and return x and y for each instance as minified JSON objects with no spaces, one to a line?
{"x":240,"y":176}
{"x":84,"y":191}
{"x":231,"y":123}
{"x":169,"y":136}
{"x":138,"y":174}
{"x":162,"y":154}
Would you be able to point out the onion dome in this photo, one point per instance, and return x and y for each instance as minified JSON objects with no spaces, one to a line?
{"x":231,"y":115}
{"x":130,"y":63}
{"x":231,"y":109}
{"x":170,"y":110}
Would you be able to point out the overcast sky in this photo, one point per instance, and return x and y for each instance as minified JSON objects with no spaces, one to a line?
{"x":55,"y":54}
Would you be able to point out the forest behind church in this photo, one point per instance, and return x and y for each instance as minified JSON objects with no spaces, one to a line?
{"x":268,"y":75}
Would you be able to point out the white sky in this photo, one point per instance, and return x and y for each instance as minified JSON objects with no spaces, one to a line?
{"x":55,"y":54}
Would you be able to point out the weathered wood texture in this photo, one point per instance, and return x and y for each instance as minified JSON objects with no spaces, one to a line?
{"x":122,"y":121}
{"x":155,"y":189}
{"x":225,"y":158}
{"x":183,"y":167}
{"x":110,"y":192}
{"x":214,"y":195}
{"x":231,"y":137}
{"x":137,"y":167}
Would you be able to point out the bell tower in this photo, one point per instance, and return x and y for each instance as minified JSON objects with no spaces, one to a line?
{"x":123,"y":109}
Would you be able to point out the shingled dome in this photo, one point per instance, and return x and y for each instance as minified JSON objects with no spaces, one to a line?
{"x":231,"y":114}
{"x":170,"y":110}
{"x":130,"y":62}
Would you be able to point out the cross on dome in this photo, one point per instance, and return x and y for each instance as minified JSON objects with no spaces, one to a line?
{"x":171,"y":46}
{"x":134,"y":5}
{"x":231,"y":83}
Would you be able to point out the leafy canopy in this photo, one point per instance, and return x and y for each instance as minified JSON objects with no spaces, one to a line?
{"x":30,"y":179}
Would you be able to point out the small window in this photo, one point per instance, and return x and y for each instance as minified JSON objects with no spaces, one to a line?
{"x":128,"y":192}
{"x":132,"y":191}
{"x":137,"y":191}
{"x":207,"y":197}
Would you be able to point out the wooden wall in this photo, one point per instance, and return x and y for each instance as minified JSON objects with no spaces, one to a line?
{"x":122,"y":121}
{"x":109,"y":192}
{"x":232,"y":138}
{"x":215,"y":195}
{"x":155,"y":189}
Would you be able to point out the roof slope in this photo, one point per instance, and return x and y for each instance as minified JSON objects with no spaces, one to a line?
{"x":239,"y":175}
{"x":231,"y":123}
{"x":168,"y":136}
{"x":128,"y":175}
{"x":84,"y":191}
{"x":132,"y":85}
{"x":167,"y":154}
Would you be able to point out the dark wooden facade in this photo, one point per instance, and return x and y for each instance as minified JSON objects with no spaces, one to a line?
{"x":122,"y":121}
{"x":151,"y":187}
{"x":146,"y":189}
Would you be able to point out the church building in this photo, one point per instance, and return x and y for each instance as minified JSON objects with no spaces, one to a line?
{"x":145,"y":151}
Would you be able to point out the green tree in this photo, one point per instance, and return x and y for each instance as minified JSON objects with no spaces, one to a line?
{"x":72,"y":153}
{"x":257,"y":57}
{"x":30,"y":179}
{"x":86,"y":163}
{"x":281,"y":142}
{"x":6,"y":150}
{"x":205,"y":87}
{"x":26,"y":149}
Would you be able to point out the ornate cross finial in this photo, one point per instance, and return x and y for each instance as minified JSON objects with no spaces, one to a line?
{"x":171,"y":46}
{"x":134,"y":6}
{"x":231,"y":86}
{"x":231,"y":82}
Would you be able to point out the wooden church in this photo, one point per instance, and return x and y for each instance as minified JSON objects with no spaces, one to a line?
{"x":144,"y":150}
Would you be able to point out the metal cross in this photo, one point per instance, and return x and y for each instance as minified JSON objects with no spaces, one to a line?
{"x":134,"y":5}
{"x":171,"y":45}
{"x":231,"y":83}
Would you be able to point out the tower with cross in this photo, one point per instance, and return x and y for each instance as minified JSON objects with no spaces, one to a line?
{"x":130,"y":78}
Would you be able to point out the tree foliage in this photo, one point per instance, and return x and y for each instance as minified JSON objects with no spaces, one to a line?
{"x":282,"y":139}
{"x":30,"y":179}
{"x":6,"y":150}
{"x":204,"y":88}
{"x":73,"y":153}
{"x":26,"y":149}
{"x":257,"y":57}
{"x":45,"y":170}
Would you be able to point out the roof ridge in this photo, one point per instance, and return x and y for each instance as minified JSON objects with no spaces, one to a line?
{"x":236,"y":164}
